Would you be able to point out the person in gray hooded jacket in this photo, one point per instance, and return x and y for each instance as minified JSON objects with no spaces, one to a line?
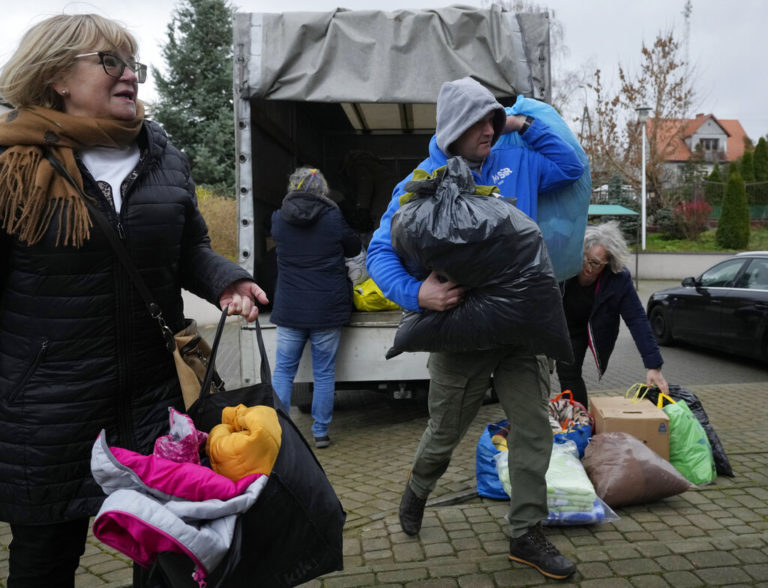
{"x":469,"y":122}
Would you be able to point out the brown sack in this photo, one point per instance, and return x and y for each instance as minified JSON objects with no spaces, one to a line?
{"x":625,"y":471}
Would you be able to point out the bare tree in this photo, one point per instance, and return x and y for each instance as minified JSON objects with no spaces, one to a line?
{"x":662,"y":83}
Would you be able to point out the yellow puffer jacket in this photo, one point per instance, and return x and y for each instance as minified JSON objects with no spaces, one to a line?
{"x":246,"y":442}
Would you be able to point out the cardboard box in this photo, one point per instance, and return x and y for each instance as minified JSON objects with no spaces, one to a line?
{"x":642,"y":419}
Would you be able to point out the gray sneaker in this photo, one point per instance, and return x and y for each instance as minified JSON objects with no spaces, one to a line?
{"x":534,"y":549}
{"x":322,"y":442}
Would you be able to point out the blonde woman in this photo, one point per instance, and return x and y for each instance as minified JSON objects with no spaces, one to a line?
{"x":79,"y":351}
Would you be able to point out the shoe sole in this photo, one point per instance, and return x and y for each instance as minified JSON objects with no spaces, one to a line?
{"x":541,"y":571}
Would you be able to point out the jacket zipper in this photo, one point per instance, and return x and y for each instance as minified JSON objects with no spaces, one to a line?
{"x":31,"y":368}
{"x":124,"y":388}
{"x":125,"y":429}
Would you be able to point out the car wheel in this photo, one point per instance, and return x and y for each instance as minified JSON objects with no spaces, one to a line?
{"x":660,"y":326}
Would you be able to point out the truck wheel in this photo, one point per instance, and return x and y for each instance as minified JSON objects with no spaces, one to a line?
{"x":301,"y":396}
{"x":660,"y":326}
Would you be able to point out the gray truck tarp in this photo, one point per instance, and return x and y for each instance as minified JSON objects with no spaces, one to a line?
{"x":319,"y":87}
{"x":399,"y":56}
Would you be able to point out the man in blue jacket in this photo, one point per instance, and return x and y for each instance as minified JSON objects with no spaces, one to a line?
{"x":469,"y":122}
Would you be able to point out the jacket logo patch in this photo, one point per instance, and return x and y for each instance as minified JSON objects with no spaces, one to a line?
{"x":501,"y":174}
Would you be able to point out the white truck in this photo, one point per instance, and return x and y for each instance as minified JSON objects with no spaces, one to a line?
{"x":353,"y":93}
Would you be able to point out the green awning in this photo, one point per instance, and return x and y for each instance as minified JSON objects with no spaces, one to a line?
{"x":609,"y":210}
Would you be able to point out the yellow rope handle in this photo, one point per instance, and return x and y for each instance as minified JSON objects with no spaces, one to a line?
{"x":662,"y":396}
{"x":636,"y":392}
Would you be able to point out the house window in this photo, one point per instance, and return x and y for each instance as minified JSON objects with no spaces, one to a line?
{"x":710,"y":144}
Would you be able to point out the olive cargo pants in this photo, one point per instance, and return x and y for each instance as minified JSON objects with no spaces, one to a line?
{"x":458,"y":385}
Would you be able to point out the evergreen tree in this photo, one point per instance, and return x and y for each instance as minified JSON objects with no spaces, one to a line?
{"x":733,"y":227}
{"x":759,"y":190}
{"x":760,"y":160}
{"x":615,"y":189}
{"x":713,"y":186}
{"x":714,"y":175}
{"x":747,"y":168}
{"x":195,"y":97}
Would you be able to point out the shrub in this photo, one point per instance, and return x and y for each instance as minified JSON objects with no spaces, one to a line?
{"x":220,"y":214}
{"x":733,"y":228}
{"x":668,"y":224}
{"x":692,"y":218}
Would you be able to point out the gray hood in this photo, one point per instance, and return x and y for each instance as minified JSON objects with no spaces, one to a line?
{"x":461,"y":104}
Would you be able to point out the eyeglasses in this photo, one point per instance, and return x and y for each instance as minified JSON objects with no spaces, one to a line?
{"x":114,"y":66}
{"x":594,"y":263}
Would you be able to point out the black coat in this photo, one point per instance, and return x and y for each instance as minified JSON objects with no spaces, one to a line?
{"x":312,"y":238}
{"x":615,"y":296}
{"x":79,"y":351}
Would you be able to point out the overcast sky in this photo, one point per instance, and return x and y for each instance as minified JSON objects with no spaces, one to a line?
{"x":725,"y":44}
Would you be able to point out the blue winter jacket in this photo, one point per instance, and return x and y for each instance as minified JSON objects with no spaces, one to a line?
{"x":518,"y":172}
{"x":312,"y":238}
{"x":615,"y":297}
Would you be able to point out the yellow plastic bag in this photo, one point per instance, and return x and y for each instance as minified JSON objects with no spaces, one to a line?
{"x":367,"y":296}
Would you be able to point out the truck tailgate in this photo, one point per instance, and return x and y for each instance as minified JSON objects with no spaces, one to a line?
{"x":364,"y":343}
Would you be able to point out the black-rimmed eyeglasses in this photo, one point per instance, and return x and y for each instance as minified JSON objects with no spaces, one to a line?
{"x":594,"y":263}
{"x":114,"y":66}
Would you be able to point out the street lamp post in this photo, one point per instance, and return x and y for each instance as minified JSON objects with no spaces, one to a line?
{"x":642,"y":116}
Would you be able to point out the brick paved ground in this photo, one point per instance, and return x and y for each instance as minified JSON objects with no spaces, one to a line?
{"x":716,"y":535}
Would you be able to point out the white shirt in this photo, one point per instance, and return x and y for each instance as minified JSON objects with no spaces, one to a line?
{"x":111,"y":166}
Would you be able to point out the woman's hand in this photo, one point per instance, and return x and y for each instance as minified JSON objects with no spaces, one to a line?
{"x":437,"y":295}
{"x":654,"y":378}
{"x":240,"y":296}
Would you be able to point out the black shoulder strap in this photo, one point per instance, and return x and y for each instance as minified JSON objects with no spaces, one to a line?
{"x":122,"y":253}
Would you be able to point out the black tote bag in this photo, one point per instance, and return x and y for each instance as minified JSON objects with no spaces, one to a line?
{"x":293,"y":533}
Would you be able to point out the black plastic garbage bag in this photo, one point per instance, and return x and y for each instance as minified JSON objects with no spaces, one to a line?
{"x":722,"y":464}
{"x":497,"y":252}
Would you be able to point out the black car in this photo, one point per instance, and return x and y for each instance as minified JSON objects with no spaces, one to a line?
{"x":725,"y":308}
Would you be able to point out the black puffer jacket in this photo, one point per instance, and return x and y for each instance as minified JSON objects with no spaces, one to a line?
{"x":78,"y":349}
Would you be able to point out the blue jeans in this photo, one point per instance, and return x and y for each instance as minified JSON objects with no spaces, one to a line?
{"x":290,"y":345}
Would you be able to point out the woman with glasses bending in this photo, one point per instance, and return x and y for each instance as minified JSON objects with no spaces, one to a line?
{"x":594,"y":300}
{"x":79,"y":351}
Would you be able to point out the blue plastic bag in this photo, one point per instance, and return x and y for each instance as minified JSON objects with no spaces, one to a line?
{"x":488,"y":482}
{"x":562,"y":214}
{"x":579,"y":434}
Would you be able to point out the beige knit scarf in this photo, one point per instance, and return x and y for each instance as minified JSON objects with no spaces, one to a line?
{"x":32,"y":194}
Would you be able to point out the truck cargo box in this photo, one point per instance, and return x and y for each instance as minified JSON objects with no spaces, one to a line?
{"x":353,"y":93}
